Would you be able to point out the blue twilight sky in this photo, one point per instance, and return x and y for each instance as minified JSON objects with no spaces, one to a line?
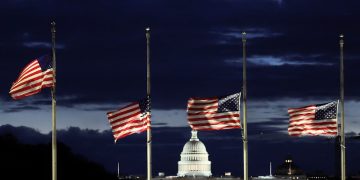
{"x":293,"y":54}
{"x":196,"y":50}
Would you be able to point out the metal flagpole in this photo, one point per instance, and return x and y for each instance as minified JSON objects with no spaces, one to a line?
{"x":342,"y":141}
{"x":118,"y":170}
{"x":149,"y":174}
{"x":245,"y":140}
{"x":53,"y":89}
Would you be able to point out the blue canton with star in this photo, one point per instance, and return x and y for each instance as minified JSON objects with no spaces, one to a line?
{"x":229,"y":103}
{"x":45,"y":62}
{"x":145,"y":105}
{"x":326,"y":111}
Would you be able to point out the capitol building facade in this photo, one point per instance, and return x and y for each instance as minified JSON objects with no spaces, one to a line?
{"x":194,"y":159}
{"x":194,"y":163}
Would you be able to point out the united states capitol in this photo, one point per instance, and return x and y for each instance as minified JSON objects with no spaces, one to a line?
{"x":195,"y":164}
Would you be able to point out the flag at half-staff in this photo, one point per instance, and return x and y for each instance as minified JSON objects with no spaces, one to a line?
{"x":38,"y":74}
{"x":133,"y":118}
{"x":216,"y":113}
{"x":314,"y":120}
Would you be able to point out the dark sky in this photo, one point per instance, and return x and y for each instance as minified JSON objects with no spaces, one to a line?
{"x":196,"y":50}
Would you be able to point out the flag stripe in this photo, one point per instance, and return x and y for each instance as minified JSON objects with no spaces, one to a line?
{"x":314,"y":134}
{"x":295,"y":110}
{"x":312,"y":120}
{"x":204,"y":114}
{"x":127,"y":133}
{"x":127,"y":114}
{"x":32,"y":88}
{"x":202,"y":108}
{"x":320,"y":129}
{"x":312,"y":126}
{"x":29,"y":68}
{"x":47,"y":75}
{"x":36,"y":83}
{"x":217,"y":122}
{"x":214,"y":116}
{"x":31,"y":80}
{"x":33,"y":67}
{"x":218,"y":127}
{"x":307,"y":113}
{"x":136,"y":127}
{"x":130,"y":119}
{"x":126,"y":108}
{"x":127,"y":126}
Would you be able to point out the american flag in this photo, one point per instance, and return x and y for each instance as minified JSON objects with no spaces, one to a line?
{"x":36,"y":75}
{"x":215,"y":113}
{"x":313,"y":120}
{"x":133,"y":118}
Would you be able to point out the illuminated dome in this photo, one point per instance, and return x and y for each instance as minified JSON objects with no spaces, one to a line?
{"x":194,"y":159}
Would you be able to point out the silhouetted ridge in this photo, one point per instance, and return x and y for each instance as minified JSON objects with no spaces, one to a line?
{"x":25,"y":161}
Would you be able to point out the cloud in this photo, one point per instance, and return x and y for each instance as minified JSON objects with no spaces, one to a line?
{"x":159,"y":124}
{"x":19,"y":109}
{"x":234,"y":35}
{"x":36,"y":44}
{"x":270,"y":115}
{"x":292,"y":60}
{"x":27,"y":104}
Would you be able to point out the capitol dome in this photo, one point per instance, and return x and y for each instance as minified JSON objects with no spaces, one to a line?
{"x":194,"y":159}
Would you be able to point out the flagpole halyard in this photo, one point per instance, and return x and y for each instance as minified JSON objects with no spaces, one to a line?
{"x":342,"y":131}
{"x":53,"y":90}
{"x":245,"y":139}
{"x":149,"y":162}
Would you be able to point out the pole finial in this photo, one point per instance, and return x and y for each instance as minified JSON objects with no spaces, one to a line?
{"x":53,"y":26}
{"x":147,"y":32}
{"x":341,"y":39}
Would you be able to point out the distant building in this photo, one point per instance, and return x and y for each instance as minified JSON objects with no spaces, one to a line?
{"x":194,"y":163}
{"x":270,"y":176}
{"x":288,"y":170}
{"x":194,"y":160}
{"x":318,"y":175}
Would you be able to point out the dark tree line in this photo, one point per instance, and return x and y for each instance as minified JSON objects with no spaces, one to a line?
{"x":24,"y":161}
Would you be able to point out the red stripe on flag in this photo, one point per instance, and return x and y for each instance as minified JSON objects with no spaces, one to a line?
{"x":31,"y":80}
{"x":203,"y":115}
{"x":128,"y":120}
{"x":302,"y":122}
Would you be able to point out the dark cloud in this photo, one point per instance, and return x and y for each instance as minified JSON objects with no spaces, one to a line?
{"x":22,"y":108}
{"x":159,"y":124}
{"x":19,"y":106}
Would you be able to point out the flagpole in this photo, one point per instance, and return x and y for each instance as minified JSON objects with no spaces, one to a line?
{"x":53,"y":90}
{"x":245,"y":139}
{"x":118,"y":170}
{"x":342,"y":141}
{"x":149,"y":174}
